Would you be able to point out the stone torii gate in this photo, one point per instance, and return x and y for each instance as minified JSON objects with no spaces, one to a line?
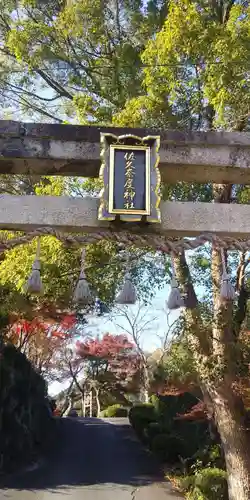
{"x":70,"y":150}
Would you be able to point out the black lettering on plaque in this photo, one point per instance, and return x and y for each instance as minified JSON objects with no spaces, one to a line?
{"x":129,"y":179}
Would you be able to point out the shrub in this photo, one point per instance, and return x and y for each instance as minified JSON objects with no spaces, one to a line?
{"x":114,"y":411}
{"x":168,"y":410}
{"x":122,"y":412}
{"x":169,"y":406}
{"x":168,"y":448}
{"x":207,"y":484}
{"x":212,"y":483}
{"x":209,"y":456}
{"x":140,"y":416}
{"x":154,"y":400}
{"x":194,"y":434}
{"x":152,"y":430}
{"x":143,"y":410}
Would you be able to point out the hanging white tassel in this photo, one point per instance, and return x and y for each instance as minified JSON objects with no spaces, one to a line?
{"x":175,"y":300}
{"x":34,"y":284}
{"x":227,"y":292}
{"x":82,"y":294}
{"x":127,"y":295}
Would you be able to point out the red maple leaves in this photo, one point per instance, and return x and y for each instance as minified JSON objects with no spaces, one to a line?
{"x":109,"y":346}
{"x":40,"y":339}
{"x":115,"y":353}
{"x":28,"y":328}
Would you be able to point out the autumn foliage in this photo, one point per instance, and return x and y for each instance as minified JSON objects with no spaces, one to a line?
{"x":111,"y":354}
{"x":197,"y":413}
{"x":40,"y":340}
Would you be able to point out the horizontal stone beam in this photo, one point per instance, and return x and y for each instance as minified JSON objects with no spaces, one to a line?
{"x":52,"y":149}
{"x":80,"y":215}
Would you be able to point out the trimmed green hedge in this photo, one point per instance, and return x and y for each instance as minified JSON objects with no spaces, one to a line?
{"x":168,"y":448}
{"x":140,"y":416}
{"x":116,"y":410}
{"x":145,"y":410}
{"x":148,"y":423}
{"x":152,"y":430}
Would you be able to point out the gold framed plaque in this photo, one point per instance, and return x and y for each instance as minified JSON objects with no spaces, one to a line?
{"x":130,"y":178}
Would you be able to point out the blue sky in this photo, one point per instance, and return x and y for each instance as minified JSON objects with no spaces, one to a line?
{"x":155,"y":314}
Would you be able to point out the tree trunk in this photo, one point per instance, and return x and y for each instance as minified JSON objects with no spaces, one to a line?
{"x":229,"y":411}
{"x":226,"y":407}
{"x":229,"y":417}
{"x":66,"y":400}
{"x":69,"y":408}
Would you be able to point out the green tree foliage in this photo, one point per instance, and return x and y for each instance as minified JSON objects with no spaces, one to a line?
{"x":105,"y":270}
{"x":75,"y":60}
{"x":176,"y":368}
{"x":199,"y":64}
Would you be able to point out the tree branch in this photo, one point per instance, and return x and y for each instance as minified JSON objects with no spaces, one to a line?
{"x":31,"y":94}
{"x":53,"y":84}
{"x":36,"y":108}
